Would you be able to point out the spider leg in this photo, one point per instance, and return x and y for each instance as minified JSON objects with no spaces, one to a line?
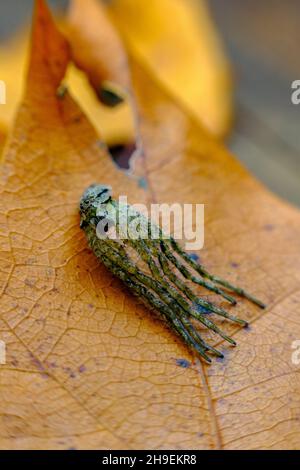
{"x":169,"y":295}
{"x":193,"y":297}
{"x":190,"y":337}
{"x":116,"y":253}
{"x":203,"y":272}
{"x":197,"y":300}
{"x":188,"y":275}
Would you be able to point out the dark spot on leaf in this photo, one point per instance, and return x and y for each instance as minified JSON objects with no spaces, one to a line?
{"x":77,"y":119}
{"x":234,"y":264}
{"x":143,"y":183}
{"x":37,"y":363}
{"x":269,"y":227}
{"x":122,"y":153}
{"x":29,"y":282}
{"x":183,"y":363}
{"x":110,"y":97}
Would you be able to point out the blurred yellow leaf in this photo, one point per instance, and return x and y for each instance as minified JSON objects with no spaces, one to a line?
{"x":103,"y":35}
{"x":3,"y":132}
{"x":115,"y":125}
{"x":195,"y":70}
{"x":178,"y":41}
{"x":13,"y":61}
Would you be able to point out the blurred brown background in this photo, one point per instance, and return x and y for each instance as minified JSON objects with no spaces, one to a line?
{"x":262,"y":38}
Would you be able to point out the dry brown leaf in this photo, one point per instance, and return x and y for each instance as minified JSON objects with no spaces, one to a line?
{"x":252,"y":399}
{"x":88,"y":367}
{"x":57,"y":306}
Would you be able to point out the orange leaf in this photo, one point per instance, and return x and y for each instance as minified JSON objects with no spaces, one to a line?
{"x":57,"y":306}
{"x":87,"y":365}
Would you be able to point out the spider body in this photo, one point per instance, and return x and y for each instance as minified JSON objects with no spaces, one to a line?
{"x":157,"y":269}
